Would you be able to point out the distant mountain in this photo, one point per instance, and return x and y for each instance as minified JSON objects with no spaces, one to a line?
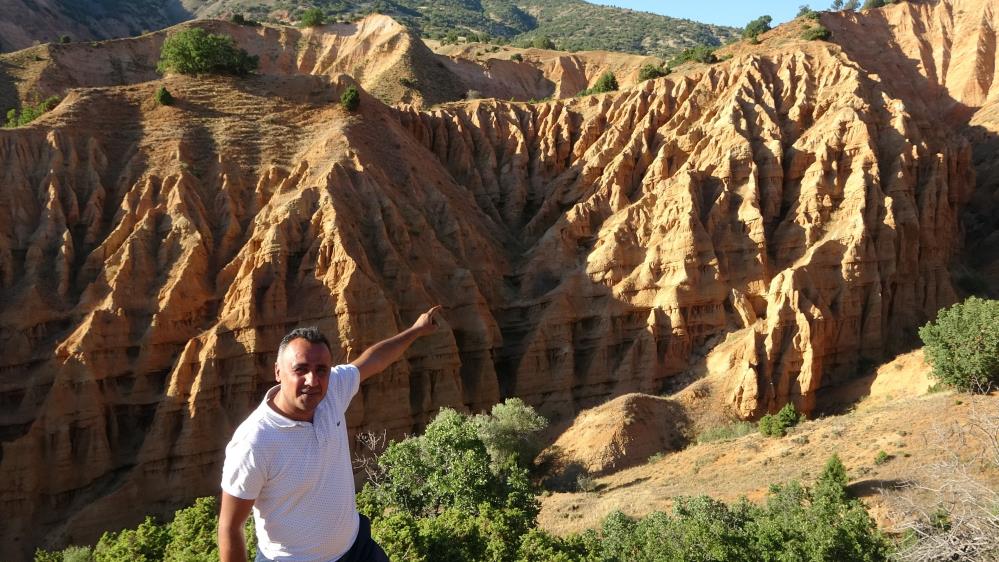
{"x":570,"y":24}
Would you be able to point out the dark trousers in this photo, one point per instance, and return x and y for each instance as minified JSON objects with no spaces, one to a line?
{"x":364,"y":549}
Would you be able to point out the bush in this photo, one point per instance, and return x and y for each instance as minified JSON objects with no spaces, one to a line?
{"x":509,"y":432}
{"x":195,"y":51}
{"x":776,"y":425}
{"x":31,"y":112}
{"x":350,"y":99}
{"x":872,"y":4}
{"x":606,"y":83}
{"x":817,"y":33}
{"x":542,"y":42}
{"x":313,"y":17}
{"x":69,"y":554}
{"x":882,"y":457}
{"x":517,"y":57}
{"x":757,"y":26}
{"x":64,"y":39}
{"x":700,"y":53}
{"x":238,"y":19}
{"x":962,"y":345}
{"x":163,"y":96}
{"x":652,"y":71}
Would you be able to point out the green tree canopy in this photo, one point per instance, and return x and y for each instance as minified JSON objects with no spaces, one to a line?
{"x":313,"y":17}
{"x":757,"y":26}
{"x":962,"y":344}
{"x":195,"y":51}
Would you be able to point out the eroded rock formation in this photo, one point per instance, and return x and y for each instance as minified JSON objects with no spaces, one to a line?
{"x":152,"y":257}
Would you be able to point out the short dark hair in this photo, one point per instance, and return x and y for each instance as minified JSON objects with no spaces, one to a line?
{"x":310,"y":334}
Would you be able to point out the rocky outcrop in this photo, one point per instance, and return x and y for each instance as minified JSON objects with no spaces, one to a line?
{"x":152,"y":257}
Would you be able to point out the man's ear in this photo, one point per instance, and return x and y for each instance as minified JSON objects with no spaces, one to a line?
{"x":277,"y":372}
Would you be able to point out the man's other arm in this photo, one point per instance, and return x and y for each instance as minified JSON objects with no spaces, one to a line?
{"x":232,"y":518}
{"x":378,"y":357}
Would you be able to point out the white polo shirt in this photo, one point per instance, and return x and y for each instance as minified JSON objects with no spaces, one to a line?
{"x":300,"y":475}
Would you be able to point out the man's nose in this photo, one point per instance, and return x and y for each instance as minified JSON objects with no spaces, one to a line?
{"x":310,"y":378}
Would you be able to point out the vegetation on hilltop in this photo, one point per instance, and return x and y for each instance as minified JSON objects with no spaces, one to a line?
{"x":563,"y":24}
{"x":30,"y":112}
{"x":195,"y":51}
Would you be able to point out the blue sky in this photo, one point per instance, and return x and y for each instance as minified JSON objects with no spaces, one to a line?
{"x":721,"y":12}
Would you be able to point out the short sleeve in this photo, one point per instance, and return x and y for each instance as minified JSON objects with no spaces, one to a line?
{"x":344,"y":382}
{"x":242,"y":476}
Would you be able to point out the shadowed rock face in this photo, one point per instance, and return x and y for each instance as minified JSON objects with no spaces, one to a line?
{"x":152,"y":257}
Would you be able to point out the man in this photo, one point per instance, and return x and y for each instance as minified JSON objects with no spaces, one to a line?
{"x":290,"y":461}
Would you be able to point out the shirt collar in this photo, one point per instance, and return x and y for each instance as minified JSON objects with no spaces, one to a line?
{"x":275,"y":418}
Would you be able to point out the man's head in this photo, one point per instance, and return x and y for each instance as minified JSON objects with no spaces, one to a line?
{"x":303,"y":371}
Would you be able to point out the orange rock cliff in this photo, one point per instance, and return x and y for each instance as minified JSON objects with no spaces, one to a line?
{"x":800,"y":202}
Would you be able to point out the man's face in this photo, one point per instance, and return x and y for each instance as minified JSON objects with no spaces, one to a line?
{"x":303,"y":370}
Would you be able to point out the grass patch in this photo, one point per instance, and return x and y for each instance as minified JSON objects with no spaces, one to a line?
{"x":733,"y":430}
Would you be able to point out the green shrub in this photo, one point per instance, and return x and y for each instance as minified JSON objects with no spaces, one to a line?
{"x":776,"y":425}
{"x":731,"y":431}
{"x":757,"y":26}
{"x":195,"y":51}
{"x":510,"y":432}
{"x":163,"y":96}
{"x":31,"y":112}
{"x":872,"y":4}
{"x":69,"y":554}
{"x":962,"y":344}
{"x":606,"y":83}
{"x":350,"y":99}
{"x":542,"y":42}
{"x":882,"y":457}
{"x":239,"y":19}
{"x":652,"y":71}
{"x":64,"y":39}
{"x":700,"y":53}
{"x":517,"y":57}
{"x":313,"y":17}
{"x":817,"y":33}
{"x":147,"y":543}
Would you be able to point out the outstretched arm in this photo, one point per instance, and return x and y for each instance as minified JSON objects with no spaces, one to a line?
{"x":378,"y":357}
{"x":232,"y":518}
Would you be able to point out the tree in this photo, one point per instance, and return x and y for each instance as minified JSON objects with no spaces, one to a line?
{"x":195,"y":51}
{"x":962,"y":345}
{"x":542,"y":42}
{"x":776,"y":425}
{"x":510,"y":431}
{"x":872,"y":4}
{"x":837,"y":5}
{"x":313,"y":17}
{"x":652,"y":71}
{"x":606,"y":83}
{"x":851,"y":5}
{"x":350,"y":99}
{"x":756,"y":27}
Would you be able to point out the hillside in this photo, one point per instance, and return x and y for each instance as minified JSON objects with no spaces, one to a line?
{"x":739,"y":235}
{"x":571,"y":24}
